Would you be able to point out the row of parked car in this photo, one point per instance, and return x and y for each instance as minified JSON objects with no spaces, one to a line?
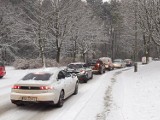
{"x":52,"y":85}
{"x":85,"y":71}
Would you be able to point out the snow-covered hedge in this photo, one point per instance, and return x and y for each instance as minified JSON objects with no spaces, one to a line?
{"x":33,"y":63}
{"x":36,"y":63}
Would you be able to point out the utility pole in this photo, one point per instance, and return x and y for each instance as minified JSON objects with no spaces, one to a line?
{"x":136,"y":35}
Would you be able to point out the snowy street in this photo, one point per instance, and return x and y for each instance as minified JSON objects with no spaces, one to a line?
{"x":85,"y":105}
{"x":120,"y":94}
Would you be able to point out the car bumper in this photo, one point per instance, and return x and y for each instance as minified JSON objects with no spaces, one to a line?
{"x":117,"y":66}
{"x":82,"y":77}
{"x":2,"y":73}
{"x":95,"y":71}
{"x":128,"y":65}
{"x":33,"y":97}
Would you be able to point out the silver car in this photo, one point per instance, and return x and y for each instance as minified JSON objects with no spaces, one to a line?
{"x":50,"y":86}
{"x":119,"y":63}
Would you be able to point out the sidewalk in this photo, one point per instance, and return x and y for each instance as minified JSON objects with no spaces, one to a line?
{"x":136,"y":95}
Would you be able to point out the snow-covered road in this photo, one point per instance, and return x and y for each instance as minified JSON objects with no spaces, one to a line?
{"x":120,"y":94}
{"x":83,"y":106}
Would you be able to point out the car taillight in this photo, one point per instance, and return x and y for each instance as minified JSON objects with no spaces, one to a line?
{"x":16,"y":87}
{"x":46,"y":88}
{"x":98,"y":64}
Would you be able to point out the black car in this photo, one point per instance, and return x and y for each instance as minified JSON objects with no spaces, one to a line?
{"x":128,"y":62}
{"x":82,"y":70}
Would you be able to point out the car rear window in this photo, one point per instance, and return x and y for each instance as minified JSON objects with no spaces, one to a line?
{"x":117,"y":60}
{"x":34,"y":76}
{"x":75,"y":66}
{"x":92,"y":62}
{"x":1,"y":64}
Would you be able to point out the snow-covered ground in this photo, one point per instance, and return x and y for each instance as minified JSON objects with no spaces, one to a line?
{"x":136,"y":95}
{"x":120,"y":94}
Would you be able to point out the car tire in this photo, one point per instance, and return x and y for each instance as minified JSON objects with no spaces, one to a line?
{"x":101,"y":71}
{"x":17,"y":103}
{"x":91,"y":76}
{"x":76,"y":89}
{"x":85,"y":80}
{"x":1,"y":77}
{"x":61,"y":99}
{"x":104,"y":71}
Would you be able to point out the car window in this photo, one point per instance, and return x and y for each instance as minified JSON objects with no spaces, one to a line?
{"x":61,"y":75}
{"x":117,"y":60}
{"x":94,"y":61}
{"x":67,"y":74}
{"x":99,"y":61}
{"x":37,"y":76}
{"x":75,"y":66}
{"x":85,"y":65}
{"x":1,"y":64}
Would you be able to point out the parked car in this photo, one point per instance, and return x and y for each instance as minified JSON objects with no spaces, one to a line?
{"x":50,"y":86}
{"x":107,"y":62}
{"x":128,"y":62}
{"x":118,"y":63}
{"x":83,"y":71}
{"x":2,"y":69}
{"x":97,"y":66}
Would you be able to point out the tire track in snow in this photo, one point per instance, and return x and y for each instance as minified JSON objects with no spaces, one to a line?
{"x":108,"y":96}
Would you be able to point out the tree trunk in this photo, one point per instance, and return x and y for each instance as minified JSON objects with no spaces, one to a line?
{"x":58,"y":54}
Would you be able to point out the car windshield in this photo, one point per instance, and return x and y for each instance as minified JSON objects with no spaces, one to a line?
{"x":39,"y":76}
{"x":75,"y":66}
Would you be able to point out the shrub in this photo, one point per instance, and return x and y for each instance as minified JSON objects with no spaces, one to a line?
{"x":33,"y":63}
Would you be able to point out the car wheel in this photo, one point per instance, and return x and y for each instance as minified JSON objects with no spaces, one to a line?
{"x":76,"y":89}
{"x":1,"y":76}
{"x":61,"y":99}
{"x":86,"y":80}
{"x":101,"y":71}
{"x":104,"y":71}
{"x":17,"y":103}
{"x":91,"y":75}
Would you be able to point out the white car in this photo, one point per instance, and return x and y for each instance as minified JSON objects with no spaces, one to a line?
{"x":49,"y":86}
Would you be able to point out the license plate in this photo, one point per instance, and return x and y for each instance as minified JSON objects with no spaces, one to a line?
{"x":28,"y":98}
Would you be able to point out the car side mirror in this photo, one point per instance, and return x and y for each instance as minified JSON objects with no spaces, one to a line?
{"x":73,"y":75}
